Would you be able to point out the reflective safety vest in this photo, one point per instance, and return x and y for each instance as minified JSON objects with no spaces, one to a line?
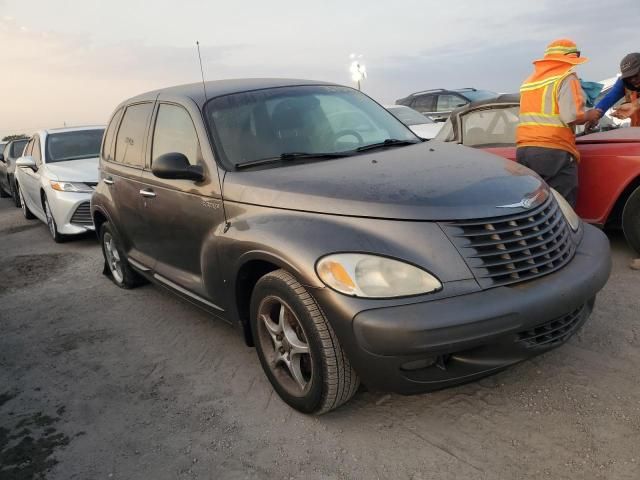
{"x":540,"y":124}
{"x":632,"y":96}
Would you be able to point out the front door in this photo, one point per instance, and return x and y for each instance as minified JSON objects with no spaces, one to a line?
{"x":31,"y":181}
{"x":181,"y":216}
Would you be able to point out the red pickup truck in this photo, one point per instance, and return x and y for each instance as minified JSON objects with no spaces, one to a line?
{"x":609,"y":169}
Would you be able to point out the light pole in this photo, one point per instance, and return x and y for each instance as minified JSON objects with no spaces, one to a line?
{"x":357,"y":69}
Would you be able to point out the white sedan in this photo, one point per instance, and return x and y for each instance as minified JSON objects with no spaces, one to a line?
{"x":56,"y":176}
{"x":419,"y":124}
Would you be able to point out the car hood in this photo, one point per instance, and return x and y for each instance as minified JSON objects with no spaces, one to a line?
{"x":426,"y":130}
{"x":619,"y":135}
{"x":426,"y":181}
{"x":84,"y":170}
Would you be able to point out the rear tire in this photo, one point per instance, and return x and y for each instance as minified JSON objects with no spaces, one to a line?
{"x":298,"y":349}
{"x":631,"y":220}
{"x":4,"y":194}
{"x":116,"y":265}
{"x":14,"y":191}
{"x":25,"y":210}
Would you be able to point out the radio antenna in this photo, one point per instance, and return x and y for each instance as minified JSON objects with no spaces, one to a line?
{"x":204,"y":88}
{"x":227,"y":224}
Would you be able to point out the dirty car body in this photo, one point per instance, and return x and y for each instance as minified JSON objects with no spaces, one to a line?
{"x":609,"y":167}
{"x":404,"y":265}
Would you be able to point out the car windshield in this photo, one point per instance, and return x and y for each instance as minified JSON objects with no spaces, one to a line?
{"x":314,"y":120}
{"x":17,"y":147}
{"x":475,"y":95}
{"x":409,"y":116}
{"x":65,"y":146}
{"x":2,"y":145}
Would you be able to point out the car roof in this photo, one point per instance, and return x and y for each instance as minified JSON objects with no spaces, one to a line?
{"x":217,"y":88}
{"x":49,"y":131}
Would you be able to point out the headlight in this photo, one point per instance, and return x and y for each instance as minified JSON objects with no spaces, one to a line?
{"x":567,"y":210}
{"x":71,"y":187}
{"x":362,"y":275}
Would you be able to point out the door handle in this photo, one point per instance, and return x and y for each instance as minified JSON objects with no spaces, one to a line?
{"x":147,"y":192}
{"x":108,"y":180}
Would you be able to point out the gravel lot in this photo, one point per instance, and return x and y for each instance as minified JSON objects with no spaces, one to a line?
{"x":102,"y":383}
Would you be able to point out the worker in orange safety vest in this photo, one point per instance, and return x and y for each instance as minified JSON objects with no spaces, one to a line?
{"x":551,"y":105}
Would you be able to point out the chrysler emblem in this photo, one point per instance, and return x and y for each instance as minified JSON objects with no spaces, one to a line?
{"x":528,"y":202}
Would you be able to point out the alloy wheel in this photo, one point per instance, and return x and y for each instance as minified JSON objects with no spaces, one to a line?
{"x":113,"y":258}
{"x":51,"y":223}
{"x":285,"y":345}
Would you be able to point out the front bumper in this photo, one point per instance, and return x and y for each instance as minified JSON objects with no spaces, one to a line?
{"x":71,"y":211}
{"x":431,"y":345}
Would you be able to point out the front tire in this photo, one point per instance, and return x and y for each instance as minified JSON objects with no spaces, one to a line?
{"x":116,"y":265}
{"x":298,"y":349}
{"x":631,"y":220}
{"x":51,"y":223}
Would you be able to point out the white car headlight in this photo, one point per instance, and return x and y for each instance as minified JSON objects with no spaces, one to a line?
{"x":567,"y":210}
{"x":371,"y":276}
{"x":71,"y":187}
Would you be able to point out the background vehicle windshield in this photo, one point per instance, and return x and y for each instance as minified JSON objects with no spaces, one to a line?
{"x":65,"y":146}
{"x":475,"y":95}
{"x":264,"y":124}
{"x":17,"y":147}
{"x":409,"y":116}
{"x":2,"y":145}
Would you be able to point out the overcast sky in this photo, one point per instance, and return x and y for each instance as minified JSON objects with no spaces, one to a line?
{"x":74,"y":61}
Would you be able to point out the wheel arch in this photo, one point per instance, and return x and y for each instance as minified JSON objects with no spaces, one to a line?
{"x":247,"y":276}
{"x":614,"y":220}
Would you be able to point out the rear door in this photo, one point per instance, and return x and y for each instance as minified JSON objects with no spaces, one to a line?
{"x":122,"y":166}
{"x":182,"y":216}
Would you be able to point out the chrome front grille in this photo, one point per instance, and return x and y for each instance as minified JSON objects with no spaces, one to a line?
{"x":554,"y":332}
{"x":82,"y":215}
{"x":514,"y":248}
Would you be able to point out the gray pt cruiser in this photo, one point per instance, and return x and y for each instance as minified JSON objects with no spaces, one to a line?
{"x":342,"y":246}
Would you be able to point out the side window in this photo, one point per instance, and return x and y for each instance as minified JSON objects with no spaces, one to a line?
{"x":36,"y":151}
{"x":107,"y":141}
{"x":29,"y":148}
{"x":131,"y":135}
{"x":175,"y":133}
{"x":448,"y":102}
{"x":424,"y":103}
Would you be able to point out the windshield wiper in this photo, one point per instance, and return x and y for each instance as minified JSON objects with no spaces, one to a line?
{"x":290,"y":156}
{"x":389,"y":142}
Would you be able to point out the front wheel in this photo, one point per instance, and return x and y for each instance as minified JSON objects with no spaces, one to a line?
{"x":631,"y":220}
{"x":298,"y":349}
{"x":51,"y":223}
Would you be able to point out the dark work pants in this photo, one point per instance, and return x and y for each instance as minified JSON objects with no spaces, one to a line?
{"x":556,"y":167}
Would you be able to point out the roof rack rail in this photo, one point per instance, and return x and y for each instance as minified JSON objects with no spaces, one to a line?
{"x":428,"y":91}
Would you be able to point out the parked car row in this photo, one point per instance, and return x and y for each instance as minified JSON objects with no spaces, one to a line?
{"x":346,"y":248}
{"x":54,"y":177}
{"x":10,"y":153}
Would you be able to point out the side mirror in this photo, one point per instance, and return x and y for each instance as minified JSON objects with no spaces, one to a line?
{"x":1,"y":157}
{"x":27,"y":162}
{"x":176,"y":166}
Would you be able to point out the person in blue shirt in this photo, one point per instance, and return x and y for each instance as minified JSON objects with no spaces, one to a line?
{"x":627,"y":86}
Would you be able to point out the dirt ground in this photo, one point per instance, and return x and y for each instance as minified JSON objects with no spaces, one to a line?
{"x":102,"y":383}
